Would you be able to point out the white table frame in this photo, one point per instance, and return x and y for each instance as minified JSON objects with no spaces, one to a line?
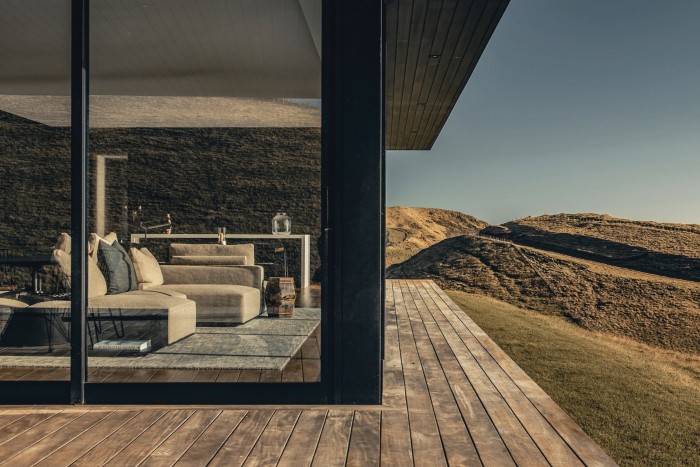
{"x":304,"y":239}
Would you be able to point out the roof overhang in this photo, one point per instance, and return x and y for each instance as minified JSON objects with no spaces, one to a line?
{"x":432,"y":48}
{"x":258,"y":61}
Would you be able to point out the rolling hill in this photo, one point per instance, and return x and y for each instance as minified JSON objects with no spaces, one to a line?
{"x":580,"y":267}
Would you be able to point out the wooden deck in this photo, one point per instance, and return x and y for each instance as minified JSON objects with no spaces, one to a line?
{"x":451,"y":397}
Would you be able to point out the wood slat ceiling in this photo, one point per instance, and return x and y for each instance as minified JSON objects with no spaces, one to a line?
{"x":432,"y":49}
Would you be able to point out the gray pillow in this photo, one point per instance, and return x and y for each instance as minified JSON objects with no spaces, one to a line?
{"x":116,"y":266}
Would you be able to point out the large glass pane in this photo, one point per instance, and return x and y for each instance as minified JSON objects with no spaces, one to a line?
{"x":35,"y":189}
{"x":206,"y":116}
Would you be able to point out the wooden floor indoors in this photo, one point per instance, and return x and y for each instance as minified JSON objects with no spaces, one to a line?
{"x":451,"y":397}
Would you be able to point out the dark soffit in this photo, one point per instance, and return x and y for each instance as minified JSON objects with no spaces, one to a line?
{"x":432,"y":48}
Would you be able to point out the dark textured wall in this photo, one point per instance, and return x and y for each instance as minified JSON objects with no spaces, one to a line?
{"x":205,"y":177}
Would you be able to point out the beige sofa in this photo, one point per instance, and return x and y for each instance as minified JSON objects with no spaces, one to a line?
{"x":162,"y":318}
{"x":224,"y":294}
{"x":189,"y":293}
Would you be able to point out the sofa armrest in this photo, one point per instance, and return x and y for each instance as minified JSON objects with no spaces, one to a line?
{"x":251,"y":276}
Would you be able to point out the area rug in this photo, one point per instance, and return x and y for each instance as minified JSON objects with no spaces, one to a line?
{"x":263,"y":343}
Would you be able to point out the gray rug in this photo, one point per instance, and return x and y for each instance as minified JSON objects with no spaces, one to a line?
{"x":260,"y":344}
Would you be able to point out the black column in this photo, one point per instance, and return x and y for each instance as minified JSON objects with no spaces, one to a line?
{"x":353,"y":138}
{"x":79,"y":190}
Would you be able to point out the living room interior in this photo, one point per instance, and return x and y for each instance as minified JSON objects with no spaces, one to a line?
{"x":205,"y":193}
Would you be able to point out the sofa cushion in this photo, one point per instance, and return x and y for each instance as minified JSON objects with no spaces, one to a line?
{"x":97,"y":286}
{"x":208,"y":249}
{"x":167,"y":293}
{"x":178,"y":314}
{"x":117,"y":268}
{"x":148,"y":271}
{"x":220,"y":303}
{"x":210,"y":260}
{"x":94,"y":243}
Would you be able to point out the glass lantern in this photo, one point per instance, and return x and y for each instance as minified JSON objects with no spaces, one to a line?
{"x":281,"y":224}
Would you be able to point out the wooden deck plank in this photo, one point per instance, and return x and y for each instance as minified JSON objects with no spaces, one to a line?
{"x":38,"y":451}
{"x":206,"y":376}
{"x":151,"y":438}
{"x":364,"y":440}
{"x":514,"y":435}
{"x":235,"y":450}
{"x":301,"y":445}
{"x":396,"y":447}
{"x":547,"y":439}
{"x":332,"y":448}
{"x":488,"y":442}
{"x":21,"y":425}
{"x":311,"y":370}
{"x":249,"y":376}
{"x":228,"y":376}
{"x":70,"y":452}
{"x":293,"y":371}
{"x":209,"y":443}
{"x":268,"y":449}
{"x":38,"y":432}
{"x":457,"y":443}
{"x":425,"y":435}
{"x":115,"y":442}
{"x":270,"y":376}
{"x":180,"y":441}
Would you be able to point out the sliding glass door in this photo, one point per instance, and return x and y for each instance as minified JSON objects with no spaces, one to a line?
{"x":35,"y":193}
{"x":205,"y":192}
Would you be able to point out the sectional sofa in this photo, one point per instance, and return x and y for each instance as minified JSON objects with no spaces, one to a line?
{"x":208,"y":285}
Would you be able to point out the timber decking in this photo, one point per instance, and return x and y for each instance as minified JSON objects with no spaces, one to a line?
{"x":451,"y":397}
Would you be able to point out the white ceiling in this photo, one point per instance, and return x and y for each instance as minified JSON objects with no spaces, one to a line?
{"x":244,"y":49}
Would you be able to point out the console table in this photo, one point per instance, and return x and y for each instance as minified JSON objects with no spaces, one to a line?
{"x":304,"y":239}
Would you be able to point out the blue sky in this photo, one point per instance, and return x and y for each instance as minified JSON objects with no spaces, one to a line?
{"x":575,"y":106}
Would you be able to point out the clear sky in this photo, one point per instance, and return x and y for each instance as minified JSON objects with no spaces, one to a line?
{"x":575,"y":106}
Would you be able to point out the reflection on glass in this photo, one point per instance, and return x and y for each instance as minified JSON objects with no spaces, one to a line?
{"x":204,"y":115}
{"x":35,"y":194}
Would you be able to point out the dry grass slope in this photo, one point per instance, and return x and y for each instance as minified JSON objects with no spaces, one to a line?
{"x":656,"y":310}
{"x":414,"y":229}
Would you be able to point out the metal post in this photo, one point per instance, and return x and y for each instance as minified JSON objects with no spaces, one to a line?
{"x":79,"y":190}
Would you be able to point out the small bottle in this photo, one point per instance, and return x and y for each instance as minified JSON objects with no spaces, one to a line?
{"x":222,"y":236}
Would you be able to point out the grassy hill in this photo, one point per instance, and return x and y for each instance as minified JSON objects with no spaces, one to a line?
{"x":656,"y":310}
{"x":414,"y":229}
{"x":668,"y":249}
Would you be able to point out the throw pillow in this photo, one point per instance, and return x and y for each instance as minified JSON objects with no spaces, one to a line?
{"x":94,"y":243}
{"x":63,"y":243}
{"x":118,"y":270}
{"x":97,"y":286}
{"x":148,"y":271}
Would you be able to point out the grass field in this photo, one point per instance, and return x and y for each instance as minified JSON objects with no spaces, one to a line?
{"x":640,"y":404}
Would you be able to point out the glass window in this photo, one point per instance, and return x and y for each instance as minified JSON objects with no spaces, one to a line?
{"x":35,"y":190}
{"x":205,"y":203}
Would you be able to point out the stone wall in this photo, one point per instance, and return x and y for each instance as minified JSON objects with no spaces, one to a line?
{"x":204,"y":177}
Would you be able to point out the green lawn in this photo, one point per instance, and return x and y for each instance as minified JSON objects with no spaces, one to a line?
{"x":642,"y":405}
